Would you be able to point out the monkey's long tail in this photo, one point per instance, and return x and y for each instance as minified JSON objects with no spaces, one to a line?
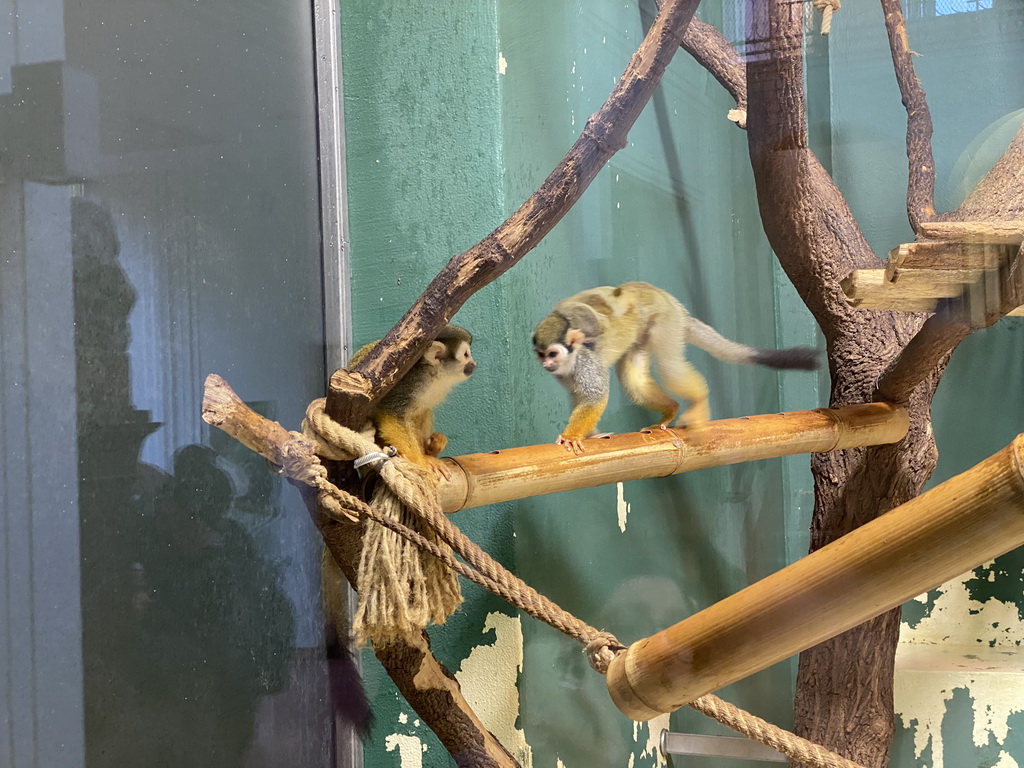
{"x":707,"y":338}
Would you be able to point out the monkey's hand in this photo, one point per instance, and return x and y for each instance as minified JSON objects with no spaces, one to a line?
{"x":434,"y":444}
{"x":582,"y":422}
{"x":571,"y":444}
{"x":438,"y":467}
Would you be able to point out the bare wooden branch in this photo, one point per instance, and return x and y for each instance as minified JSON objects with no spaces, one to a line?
{"x":722,"y":61}
{"x":429,"y":688}
{"x":921,"y":179}
{"x":713,"y":52}
{"x":352,"y":393}
{"x":224,"y":409}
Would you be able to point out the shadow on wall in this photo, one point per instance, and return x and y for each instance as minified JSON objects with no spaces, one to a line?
{"x":185,"y":625}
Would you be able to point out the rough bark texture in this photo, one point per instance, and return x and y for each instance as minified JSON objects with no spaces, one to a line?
{"x":921,"y":184}
{"x":352,"y":393}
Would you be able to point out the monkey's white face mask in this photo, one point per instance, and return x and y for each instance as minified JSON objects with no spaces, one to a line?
{"x":557,"y":359}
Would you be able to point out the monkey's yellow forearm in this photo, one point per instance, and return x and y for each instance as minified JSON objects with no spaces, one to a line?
{"x":584,"y":418}
{"x":391,"y":430}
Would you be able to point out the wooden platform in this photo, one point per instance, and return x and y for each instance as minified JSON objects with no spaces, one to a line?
{"x":971,"y":260}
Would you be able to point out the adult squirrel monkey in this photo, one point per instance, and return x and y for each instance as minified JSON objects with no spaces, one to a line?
{"x":404,"y":417}
{"x":625,"y":326}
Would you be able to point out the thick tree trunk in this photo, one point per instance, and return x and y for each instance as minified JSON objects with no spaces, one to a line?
{"x":844,"y":686}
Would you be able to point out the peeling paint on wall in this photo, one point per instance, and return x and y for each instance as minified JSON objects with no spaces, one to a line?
{"x":489,"y":678}
{"x":410,"y":749}
{"x":621,"y":507}
{"x":956,"y":664}
{"x":652,"y":748}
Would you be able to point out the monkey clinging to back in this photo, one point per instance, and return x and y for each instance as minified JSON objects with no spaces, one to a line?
{"x":625,"y":326}
{"x":404,"y":418}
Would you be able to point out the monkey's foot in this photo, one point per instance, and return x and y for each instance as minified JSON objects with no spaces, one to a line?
{"x":571,"y":444}
{"x":659,"y":425}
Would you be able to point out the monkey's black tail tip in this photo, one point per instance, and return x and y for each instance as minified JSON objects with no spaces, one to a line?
{"x":794,"y":358}
{"x":348,"y":697}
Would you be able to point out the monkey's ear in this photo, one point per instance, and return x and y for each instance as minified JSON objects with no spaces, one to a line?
{"x":574,"y":337}
{"x":435,"y":353}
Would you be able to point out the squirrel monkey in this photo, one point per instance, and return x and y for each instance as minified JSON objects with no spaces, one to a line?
{"x":404,"y":417}
{"x":625,"y":326}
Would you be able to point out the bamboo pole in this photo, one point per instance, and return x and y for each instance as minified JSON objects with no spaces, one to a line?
{"x":486,"y":478}
{"x":956,"y":526}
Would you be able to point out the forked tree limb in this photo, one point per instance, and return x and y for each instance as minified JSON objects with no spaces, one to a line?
{"x":352,"y":393}
{"x":921,"y":179}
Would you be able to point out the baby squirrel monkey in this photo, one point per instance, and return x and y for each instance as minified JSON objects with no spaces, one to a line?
{"x":404,"y":417}
{"x":625,"y":326}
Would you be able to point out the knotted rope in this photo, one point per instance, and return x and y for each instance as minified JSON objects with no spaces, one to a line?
{"x":405,"y":506}
{"x":827,"y":8}
{"x":403,"y":586}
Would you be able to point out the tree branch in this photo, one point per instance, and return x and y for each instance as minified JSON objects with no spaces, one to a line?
{"x":717,"y":55}
{"x":713,"y":52}
{"x":429,"y":688}
{"x":1000,"y":195}
{"x":921,"y":179}
{"x":352,"y":393}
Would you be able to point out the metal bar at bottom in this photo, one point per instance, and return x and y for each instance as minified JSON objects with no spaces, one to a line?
{"x":718,"y":746}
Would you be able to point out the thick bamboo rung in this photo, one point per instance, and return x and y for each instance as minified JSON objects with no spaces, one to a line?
{"x":952,"y":528}
{"x":486,"y":478}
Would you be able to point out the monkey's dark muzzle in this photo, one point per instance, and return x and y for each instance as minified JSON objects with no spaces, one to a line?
{"x":470,"y":367}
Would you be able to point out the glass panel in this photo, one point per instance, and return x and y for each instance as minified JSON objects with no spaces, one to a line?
{"x":158,"y":222}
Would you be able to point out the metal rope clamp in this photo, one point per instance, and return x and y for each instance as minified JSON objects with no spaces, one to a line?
{"x":373,"y":461}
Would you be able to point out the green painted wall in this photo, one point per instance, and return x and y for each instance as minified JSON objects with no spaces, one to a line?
{"x":424,"y":155}
{"x":455,"y":112}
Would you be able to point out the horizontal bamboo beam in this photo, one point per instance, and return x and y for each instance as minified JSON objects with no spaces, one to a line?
{"x":486,"y":478}
{"x":952,"y":528}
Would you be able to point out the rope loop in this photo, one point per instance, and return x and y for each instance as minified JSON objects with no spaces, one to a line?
{"x":601,"y":650}
{"x":827,"y":8}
